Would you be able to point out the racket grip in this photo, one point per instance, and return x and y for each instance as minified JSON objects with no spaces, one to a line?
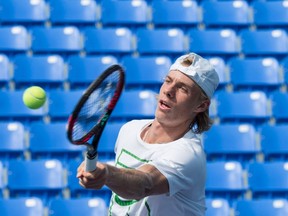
{"x":90,"y":163}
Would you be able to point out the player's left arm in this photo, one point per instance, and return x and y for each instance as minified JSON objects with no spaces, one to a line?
{"x":127,"y":183}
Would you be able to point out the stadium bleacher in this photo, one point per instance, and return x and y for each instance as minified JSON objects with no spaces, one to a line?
{"x":62,"y":45}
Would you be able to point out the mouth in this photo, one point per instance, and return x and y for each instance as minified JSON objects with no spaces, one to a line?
{"x":164,"y":105}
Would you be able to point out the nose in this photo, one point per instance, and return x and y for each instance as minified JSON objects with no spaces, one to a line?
{"x":169,"y":91}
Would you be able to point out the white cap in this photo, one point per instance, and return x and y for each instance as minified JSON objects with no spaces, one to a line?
{"x":200,"y":71}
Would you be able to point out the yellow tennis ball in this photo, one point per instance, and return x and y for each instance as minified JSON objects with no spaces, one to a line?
{"x":34,"y":97}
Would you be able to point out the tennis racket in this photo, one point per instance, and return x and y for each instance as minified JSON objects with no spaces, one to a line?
{"x":91,"y":113}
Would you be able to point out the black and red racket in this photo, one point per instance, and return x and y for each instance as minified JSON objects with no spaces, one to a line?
{"x":93,"y":110}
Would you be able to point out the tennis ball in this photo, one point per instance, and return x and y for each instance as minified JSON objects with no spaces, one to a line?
{"x":34,"y":97}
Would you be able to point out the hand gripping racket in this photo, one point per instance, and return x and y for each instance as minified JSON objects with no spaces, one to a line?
{"x":93,"y":110}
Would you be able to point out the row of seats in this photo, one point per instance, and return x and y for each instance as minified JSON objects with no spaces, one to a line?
{"x":262,"y":73}
{"x":224,"y":179}
{"x":247,"y":106}
{"x":146,"y":41}
{"x":139,"y":13}
{"x":241,"y":142}
{"x":57,"y":207}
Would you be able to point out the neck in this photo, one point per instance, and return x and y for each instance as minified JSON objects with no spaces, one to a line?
{"x":156,"y":133}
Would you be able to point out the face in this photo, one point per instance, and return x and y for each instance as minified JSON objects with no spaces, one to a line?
{"x":179,"y":100}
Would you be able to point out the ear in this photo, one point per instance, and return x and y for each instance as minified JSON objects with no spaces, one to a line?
{"x":203,"y":106}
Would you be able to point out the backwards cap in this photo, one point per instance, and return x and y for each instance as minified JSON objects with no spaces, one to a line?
{"x":200,"y":71}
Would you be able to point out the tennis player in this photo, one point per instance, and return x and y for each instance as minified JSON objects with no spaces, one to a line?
{"x":160,"y":166}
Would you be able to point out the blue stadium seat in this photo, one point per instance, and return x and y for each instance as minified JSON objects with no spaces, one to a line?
{"x":14,"y":39}
{"x":56,"y":40}
{"x":46,"y":183}
{"x":279,"y":105}
{"x":220,"y":67}
{"x":4,"y":71}
{"x":146,"y":72}
{"x":264,"y":13}
{"x":274,"y":141}
{"x":232,"y":14}
{"x":76,"y":190}
{"x":275,"y":41}
{"x":12,"y":136}
{"x":255,"y":73}
{"x":22,"y":206}
{"x":231,"y":142}
{"x":27,"y":71}
{"x":217,"y":207}
{"x":108,"y":140}
{"x":267,"y":207}
{"x":135,"y":104}
{"x":225,"y":180}
{"x":268,"y":179}
{"x":108,"y":40}
{"x":128,"y":13}
{"x":249,"y":106}
{"x":224,"y":41}
{"x":79,"y":206}
{"x":49,"y":141}
{"x":155,"y":41}
{"x":175,"y":13}
{"x":14,"y":108}
{"x":284,"y":66}
{"x":26,"y":12}
{"x":84,"y":70}
{"x":81,"y":12}
{"x":62,"y":103}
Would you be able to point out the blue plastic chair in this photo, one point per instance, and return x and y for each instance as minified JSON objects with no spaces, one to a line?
{"x":4,"y":71}
{"x":259,"y":207}
{"x":217,"y":207}
{"x":49,"y":141}
{"x":234,"y":14}
{"x":175,"y":13}
{"x":62,"y":103}
{"x":26,"y":206}
{"x":231,"y":141}
{"x":108,"y":141}
{"x":14,"y":108}
{"x":135,"y":104}
{"x":78,"y":13}
{"x":225,"y":180}
{"x":279,"y":105}
{"x":264,"y":13}
{"x":41,"y":178}
{"x":146,"y":72}
{"x":268,"y":179}
{"x":108,"y":40}
{"x":224,"y":41}
{"x":128,"y":13}
{"x":155,"y":41}
{"x":26,"y":71}
{"x":275,"y":41}
{"x":284,"y":66}
{"x":64,"y":40}
{"x":248,"y":106}
{"x":255,"y":73}
{"x":12,"y":136}
{"x":78,"y":206}
{"x":26,"y":12}
{"x":274,"y":141}
{"x":14,"y":39}
{"x":84,"y":70}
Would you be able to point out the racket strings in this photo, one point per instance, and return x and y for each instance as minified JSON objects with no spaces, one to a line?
{"x":95,"y":106}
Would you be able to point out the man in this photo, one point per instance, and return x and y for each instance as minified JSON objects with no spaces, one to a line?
{"x":160,"y":164}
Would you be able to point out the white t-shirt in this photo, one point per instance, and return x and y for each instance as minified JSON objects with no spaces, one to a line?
{"x":182,"y":162}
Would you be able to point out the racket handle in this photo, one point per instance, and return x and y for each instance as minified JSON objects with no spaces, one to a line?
{"x":90,"y":163}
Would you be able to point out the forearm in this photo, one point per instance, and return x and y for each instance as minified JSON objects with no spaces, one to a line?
{"x":129,"y":183}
